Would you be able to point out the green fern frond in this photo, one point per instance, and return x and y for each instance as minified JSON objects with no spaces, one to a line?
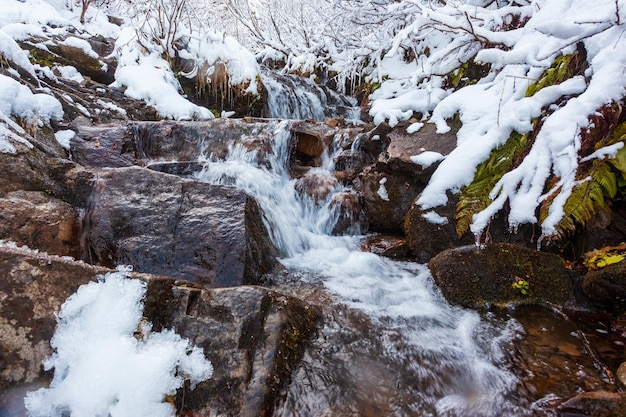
{"x":563,"y":68}
{"x":586,"y":200}
{"x":475,"y":197}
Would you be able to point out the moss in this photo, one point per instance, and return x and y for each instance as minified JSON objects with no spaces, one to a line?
{"x":473,"y":277}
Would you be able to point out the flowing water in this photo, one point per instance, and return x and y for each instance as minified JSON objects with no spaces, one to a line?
{"x":294,"y":97}
{"x":390,"y":344}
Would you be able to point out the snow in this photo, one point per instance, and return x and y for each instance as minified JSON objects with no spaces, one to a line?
{"x":17,"y":100}
{"x":241,"y":64}
{"x":69,"y":73}
{"x":414,"y":127}
{"x":64,"y":137}
{"x":435,"y":218}
{"x":382,"y":191}
{"x":101,"y":368}
{"x":607,"y":151}
{"x":12,"y":52}
{"x":148,"y":77}
{"x":497,"y":105}
{"x":426,"y":158}
{"x":81,"y":44}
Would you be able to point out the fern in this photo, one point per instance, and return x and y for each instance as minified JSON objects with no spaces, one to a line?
{"x":563,"y":68}
{"x":586,"y":200}
{"x":475,"y":197}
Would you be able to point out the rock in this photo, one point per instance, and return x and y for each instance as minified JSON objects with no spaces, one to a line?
{"x":361,"y":151}
{"x":387,"y":197}
{"x":312,"y":139}
{"x":103,"y":146}
{"x":389,"y":246}
{"x":621,"y":374}
{"x":402,"y":179}
{"x":474,"y":277}
{"x":316,"y":184}
{"x":182,"y":169}
{"x":36,"y":220}
{"x":163,"y":224}
{"x":33,"y":287}
{"x":402,"y":146}
{"x":605,"y":287}
{"x":595,"y":404}
{"x":428,"y":236}
{"x":254,"y":337}
{"x":93,"y":67}
{"x":349,"y":213}
{"x":139,"y":143}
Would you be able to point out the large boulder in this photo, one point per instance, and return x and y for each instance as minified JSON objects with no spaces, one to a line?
{"x":163,"y":224}
{"x":474,"y":277}
{"x":390,"y":187}
{"x":148,"y":142}
{"x":253,"y":337}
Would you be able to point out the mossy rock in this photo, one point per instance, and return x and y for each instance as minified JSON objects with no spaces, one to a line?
{"x":474,"y":277}
{"x":606,"y":287}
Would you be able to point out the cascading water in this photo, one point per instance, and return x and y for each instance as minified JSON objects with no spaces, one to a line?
{"x":425,"y":357}
{"x":294,"y":97}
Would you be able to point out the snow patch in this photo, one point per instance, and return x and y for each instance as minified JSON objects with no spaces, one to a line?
{"x":434,"y":218}
{"x":101,"y":369}
{"x":382,"y":191}
{"x":64,"y":137}
{"x":426,"y":158}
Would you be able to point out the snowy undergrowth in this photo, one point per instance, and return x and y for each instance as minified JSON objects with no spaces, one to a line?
{"x":101,"y":369}
{"x":158,"y":35}
{"x":519,"y":42}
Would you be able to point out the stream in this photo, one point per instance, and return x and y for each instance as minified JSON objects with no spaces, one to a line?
{"x":390,"y":345}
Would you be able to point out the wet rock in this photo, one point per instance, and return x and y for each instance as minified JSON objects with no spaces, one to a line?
{"x":33,"y":287}
{"x":361,"y":151}
{"x":474,"y":277}
{"x":605,"y":287}
{"x":402,"y":146}
{"x":312,"y":139}
{"x":546,"y":351}
{"x":36,"y":220}
{"x":595,"y":404}
{"x":316,"y":184}
{"x":164,"y":224}
{"x":394,"y":247}
{"x":387,"y":197}
{"x":182,"y":169}
{"x":148,"y":142}
{"x":103,"y":146}
{"x":254,"y":337}
{"x":401,"y":179}
{"x":29,"y":168}
{"x":432,"y":231}
{"x":349,"y":213}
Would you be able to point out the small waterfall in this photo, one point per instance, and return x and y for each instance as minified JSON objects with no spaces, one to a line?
{"x":294,"y":97}
{"x":443,"y":360}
